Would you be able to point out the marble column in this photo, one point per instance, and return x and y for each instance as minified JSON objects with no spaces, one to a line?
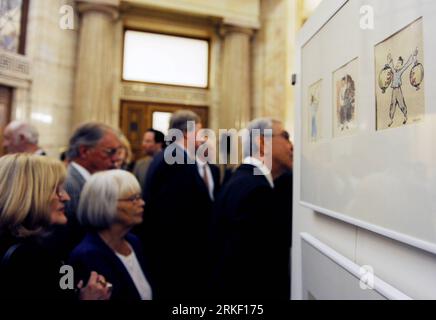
{"x":273,"y":61}
{"x":236,"y":78}
{"x":96,"y":66}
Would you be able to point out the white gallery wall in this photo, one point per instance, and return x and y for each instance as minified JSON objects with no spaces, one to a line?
{"x":403,"y":266}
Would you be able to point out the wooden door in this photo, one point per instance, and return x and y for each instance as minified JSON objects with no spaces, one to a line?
{"x":137,"y":117}
{"x":5,"y":112}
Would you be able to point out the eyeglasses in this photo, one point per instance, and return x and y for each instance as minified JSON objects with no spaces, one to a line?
{"x":134,"y":198}
{"x":110,"y":152}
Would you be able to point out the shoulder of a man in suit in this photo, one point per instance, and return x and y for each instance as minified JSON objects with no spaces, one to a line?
{"x":74,"y":177}
{"x":248,"y":172}
{"x":245,"y":182}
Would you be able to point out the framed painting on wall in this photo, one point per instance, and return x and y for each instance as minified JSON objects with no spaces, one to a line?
{"x":400,"y":88}
{"x":345,"y":99}
{"x":315,"y":111}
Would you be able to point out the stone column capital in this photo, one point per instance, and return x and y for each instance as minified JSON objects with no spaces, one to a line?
{"x":226,"y":29}
{"x":110,"y":7}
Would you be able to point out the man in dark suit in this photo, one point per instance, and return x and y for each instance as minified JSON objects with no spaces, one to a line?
{"x":177,"y":214}
{"x":249,"y":250}
{"x":93,"y":147}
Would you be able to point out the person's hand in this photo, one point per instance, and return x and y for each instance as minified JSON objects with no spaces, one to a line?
{"x":96,"y":289}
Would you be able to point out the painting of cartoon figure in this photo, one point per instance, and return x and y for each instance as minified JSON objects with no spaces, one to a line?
{"x":345,"y":99}
{"x":315,"y":111}
{"x":400,"y":81}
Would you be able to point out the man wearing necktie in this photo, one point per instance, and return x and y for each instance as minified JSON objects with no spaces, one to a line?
{"x":210,"y":173}
{"x":177,"y":215}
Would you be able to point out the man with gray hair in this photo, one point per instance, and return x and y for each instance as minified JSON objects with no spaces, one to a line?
{"x":249,"y":237}
{"x":20,"y":136}
{"x":92,"y":148}
{"x":177,"y":214}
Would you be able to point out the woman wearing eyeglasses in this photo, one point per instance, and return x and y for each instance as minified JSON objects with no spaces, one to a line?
{"x":32,"y":203}
{"x":110,"y":206}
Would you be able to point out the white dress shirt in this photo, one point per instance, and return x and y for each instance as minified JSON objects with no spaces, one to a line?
{"x":135,"y":271}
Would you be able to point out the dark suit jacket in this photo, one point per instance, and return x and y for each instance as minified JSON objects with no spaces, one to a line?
{"x":93,"y":254}
{"x":283,"y":190}
{"x":141,"y":168}
{"x":73,"y":185}
{"x":283,"y":205}
{"x":174,"y":231}
{"x":246,"y":242}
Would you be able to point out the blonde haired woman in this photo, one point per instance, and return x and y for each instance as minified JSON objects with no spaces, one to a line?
{"x":32,"y":201}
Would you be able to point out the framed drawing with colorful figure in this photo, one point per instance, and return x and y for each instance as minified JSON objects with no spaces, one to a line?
{"x":400,"y":83}
{"x":315,"y":112}
{"x":345,"y":99}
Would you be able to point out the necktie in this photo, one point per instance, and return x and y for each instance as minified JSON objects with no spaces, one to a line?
{"x":205,"y":178}
{"x":206,"y":181}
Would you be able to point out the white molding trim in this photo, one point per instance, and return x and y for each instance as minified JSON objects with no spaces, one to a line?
{"x":131,"y":91}
{"x":383,"y":288}
{"x":408,"y":240}
{"x":15,"y":66}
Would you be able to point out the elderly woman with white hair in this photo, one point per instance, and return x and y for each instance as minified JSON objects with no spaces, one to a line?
{"x":110,"y":206}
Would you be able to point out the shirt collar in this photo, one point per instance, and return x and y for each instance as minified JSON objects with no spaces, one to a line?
{"x":200,"y":162}
{"x":262,"y":168}
{"x":83,"y":172}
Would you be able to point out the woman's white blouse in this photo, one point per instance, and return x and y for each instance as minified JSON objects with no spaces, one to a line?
{"x":135,"y":271}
